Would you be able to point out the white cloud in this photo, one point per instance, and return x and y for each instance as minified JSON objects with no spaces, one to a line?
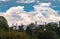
{"x":42,"y":13}
{"x":4,"y":0}
{"x":52,"y":0}
{"x":47,"y":12}
{"x":25,"y":1}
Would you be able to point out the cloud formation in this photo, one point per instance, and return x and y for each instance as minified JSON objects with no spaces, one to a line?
{"x":25,"y":1}
{"x":4,"y":0}
{"x":42,"y":13}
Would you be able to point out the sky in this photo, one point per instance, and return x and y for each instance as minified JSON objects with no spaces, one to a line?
{"x":27,"y":11}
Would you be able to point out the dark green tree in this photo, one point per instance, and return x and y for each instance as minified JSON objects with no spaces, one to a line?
{"x":51,"y":26}
{"x":57,"y":30}
{"x":29,"y":30}
{"x":21,"y":28}
{"x":48,"y":34}
{"x":41,"y":28}
{"x":3,"y":23}
{"x":32,"y":25}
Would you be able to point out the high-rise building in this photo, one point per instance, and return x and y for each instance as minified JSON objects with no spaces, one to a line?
{"x":15,"y":27}
{"x":59,"y":23}
{"x":45,"y":26}
{"x":35,"y":23}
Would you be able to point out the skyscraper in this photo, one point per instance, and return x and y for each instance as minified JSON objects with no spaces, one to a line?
{"x":59,"y":23}
{"x":35,"y":23}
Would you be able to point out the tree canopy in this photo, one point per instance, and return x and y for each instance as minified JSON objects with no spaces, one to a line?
{"x":3,"y":23}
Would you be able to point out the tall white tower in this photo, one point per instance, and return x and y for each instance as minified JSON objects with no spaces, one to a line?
{"x":44,"y":26}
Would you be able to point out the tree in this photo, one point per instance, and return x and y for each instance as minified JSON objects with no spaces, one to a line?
{"x":51,"y":26}
{"x":29,"y":30}
{"x":3,"y":23}
{"x":21,"y":28}
{"x":57,"y":30}
{"x":48,"y":34}
{"x":41,"y":27}
{"x":32,"y":25}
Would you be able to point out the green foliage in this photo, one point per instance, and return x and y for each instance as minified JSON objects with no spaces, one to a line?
{"x":29,"y":28}
{"x":12,"y":35}
{"x":3,"y":23}
{"x":45,"y":35}
{"x":57,"y":30}
{"x":41,"y":27}
{"x":51,"y":26}
{"x":29,"y":31}
{"x":51,"y":32}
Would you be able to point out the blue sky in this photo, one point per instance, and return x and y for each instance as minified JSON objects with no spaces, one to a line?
{"x":5,"y":5}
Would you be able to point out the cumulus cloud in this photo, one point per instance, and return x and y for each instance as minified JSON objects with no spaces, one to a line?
{"x":42,"y":13}
{"x":25,"y":1}
{"x":4,"y":0}
{"x":51,"y":0}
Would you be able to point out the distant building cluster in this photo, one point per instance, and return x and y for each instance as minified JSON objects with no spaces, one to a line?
{"x":21,"y":27}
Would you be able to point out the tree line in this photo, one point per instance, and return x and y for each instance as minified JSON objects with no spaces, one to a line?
{"x":48,"y":31}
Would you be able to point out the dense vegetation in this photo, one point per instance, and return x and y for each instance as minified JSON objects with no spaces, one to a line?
{"x":49,"y":31}
{"x":3,"y":23}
